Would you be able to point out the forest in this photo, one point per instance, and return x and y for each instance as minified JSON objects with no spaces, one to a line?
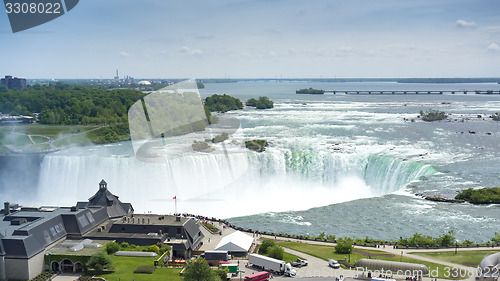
{"x":64,"y":104}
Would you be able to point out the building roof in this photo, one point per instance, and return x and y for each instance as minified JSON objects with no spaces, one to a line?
{"x":392,"y":266}
{"x":104,"y":198}
{"x":235,"y":242}
{"x":26,"y":231}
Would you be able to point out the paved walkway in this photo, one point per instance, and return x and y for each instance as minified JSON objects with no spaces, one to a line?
{"x":66,"y":277}
{"x":397,"y":252}
{"x":212,"y":240}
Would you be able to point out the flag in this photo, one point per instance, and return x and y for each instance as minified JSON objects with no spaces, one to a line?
{"x":175,"y":197}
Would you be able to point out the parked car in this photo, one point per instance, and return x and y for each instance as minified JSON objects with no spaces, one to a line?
{"x":333,"y":263}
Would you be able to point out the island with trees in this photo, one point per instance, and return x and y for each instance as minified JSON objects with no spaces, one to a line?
{"x":310,"y":91}
{"x":432,"y":115}
{"x":256,"y":145}
{"x":222,"y":103}
{"x":480,"y":196}
{"x":261,"y":103}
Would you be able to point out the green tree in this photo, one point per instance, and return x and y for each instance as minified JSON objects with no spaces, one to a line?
{"x":447,"y":239}
{"x":199,"y":270}
{"x":222,"y":103}
{"x":153,"y":248}
{"x":222,"y":273}
{"x":251,"y":102}
{"x":343,"y":247}
{"x":276,"y":252}
{"x":112,"y":247}
{"x":99,"y":261}
{"x":266,"y":243}
{"x":496,"y":239}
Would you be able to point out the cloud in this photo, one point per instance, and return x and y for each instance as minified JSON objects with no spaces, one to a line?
{"x":204,"y":37}
{"x":124,"y":54}
{"x":189,"y":51}
{"x":465,"y":24}
{"x":493,"y":47}
{"x":345,"y":49}
{"x":371,"y":52}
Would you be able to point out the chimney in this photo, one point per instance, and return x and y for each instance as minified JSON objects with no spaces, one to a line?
{"x":177,"y":218}
{"x":6,"y":208}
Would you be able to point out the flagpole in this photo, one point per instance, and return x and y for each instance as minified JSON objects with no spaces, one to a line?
{"x":175,"y":200}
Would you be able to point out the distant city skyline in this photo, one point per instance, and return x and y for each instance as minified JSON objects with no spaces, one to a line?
{"x":259,"y":39}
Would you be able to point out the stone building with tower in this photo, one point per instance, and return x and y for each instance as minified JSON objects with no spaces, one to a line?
{"x":27,"y":234}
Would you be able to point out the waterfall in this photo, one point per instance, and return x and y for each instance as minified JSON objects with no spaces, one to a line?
{"x":387,"y":174}
{"x":295,"y":179}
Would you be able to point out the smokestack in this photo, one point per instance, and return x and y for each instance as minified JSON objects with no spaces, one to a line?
{"x":6,"y":207}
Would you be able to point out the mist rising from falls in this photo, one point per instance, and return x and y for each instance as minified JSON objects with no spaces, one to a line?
{"x":236,"y":183}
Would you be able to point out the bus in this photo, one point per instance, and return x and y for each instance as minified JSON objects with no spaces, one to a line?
{"x":259,"y":276}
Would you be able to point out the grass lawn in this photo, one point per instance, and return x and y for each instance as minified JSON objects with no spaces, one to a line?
{"x":17,"y":140}
{"x":53,"y":131}
{"x":81,"y":139}
{"x":63,"y":135}
{"x":325,"y":252}
{"x":38,"y":147}
{"x":124,"y":270}
{"x":287,"y":257}
{"x":39,"y":139}
{"x":467,"y":258}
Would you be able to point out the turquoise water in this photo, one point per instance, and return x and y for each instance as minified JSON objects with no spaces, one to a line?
{"x":398,"y":158}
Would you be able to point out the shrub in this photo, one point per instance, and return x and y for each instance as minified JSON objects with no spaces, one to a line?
{"x":343,"y":247}
{"x":124,"y":245}
{"x":496,"y":239}
{"x":112,"y":248}
{"x":276,"y":252}
{"x":99,"y":261}
{"x":266,"y":243}
{"x":153,"y":248}
{"x":147,"y":269}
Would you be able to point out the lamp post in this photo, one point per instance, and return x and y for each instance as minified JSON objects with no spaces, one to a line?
{"x":456,"y":246}
{"x":350,"y":254}
{"x":401,"y":259}
{"x":241,"y":271}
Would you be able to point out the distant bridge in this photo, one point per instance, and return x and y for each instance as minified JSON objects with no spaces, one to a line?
{"x":464,"y":92}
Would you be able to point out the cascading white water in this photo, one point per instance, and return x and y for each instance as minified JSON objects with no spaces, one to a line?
{"x":209,"y":183}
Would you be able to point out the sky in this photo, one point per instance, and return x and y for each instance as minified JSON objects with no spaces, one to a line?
{"x":259,"y":39}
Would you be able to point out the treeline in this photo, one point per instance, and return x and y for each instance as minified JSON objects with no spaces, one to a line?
{"x":64,"y":104}
{"x":449,"y":80}
{"x":480,"y":196}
